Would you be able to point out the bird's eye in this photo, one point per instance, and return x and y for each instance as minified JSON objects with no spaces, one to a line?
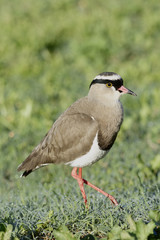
{"x":109,"y":84}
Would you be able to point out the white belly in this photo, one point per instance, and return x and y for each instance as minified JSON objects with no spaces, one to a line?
{"x":94,"y":154}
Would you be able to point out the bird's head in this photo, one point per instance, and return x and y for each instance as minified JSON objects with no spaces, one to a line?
{"x":110,"y":85}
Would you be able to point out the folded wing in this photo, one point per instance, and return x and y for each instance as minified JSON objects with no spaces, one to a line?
{"x":70,"y":137}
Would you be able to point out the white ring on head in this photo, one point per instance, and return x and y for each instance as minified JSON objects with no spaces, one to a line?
{"x":111,"y":77}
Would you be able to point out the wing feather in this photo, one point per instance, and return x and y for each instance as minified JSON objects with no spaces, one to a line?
{"x":70,"y":137}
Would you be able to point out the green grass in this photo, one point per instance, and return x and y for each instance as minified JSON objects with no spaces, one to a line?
{"x":50,"y":51}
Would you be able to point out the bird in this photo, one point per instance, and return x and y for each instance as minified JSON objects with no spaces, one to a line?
{"x":84,"y":133}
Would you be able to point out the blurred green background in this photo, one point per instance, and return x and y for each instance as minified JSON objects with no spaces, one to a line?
{"x":49,"y":53}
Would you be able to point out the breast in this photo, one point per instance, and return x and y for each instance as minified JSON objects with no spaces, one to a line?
{"x":109,"y":126}
{"x":109,"y":119}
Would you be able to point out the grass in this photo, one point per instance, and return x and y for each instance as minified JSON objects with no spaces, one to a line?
{"x":50,"y":51}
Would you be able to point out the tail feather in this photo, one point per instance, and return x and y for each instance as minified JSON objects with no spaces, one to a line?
{"x":40,"y":156}
{"x":29,"y":163}
{"x":33,"y":162}
{"x":26,"y":173}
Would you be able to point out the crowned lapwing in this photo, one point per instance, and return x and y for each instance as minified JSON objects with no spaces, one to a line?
{"x":85,"y":132}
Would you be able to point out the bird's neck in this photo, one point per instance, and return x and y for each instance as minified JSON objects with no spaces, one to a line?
{"x":108,"y":100}
{"x":109,"y":117}
{"x":106,"y":111}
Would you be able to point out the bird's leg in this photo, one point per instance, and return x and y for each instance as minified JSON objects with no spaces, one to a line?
{"x":113,"y":200}
{"x":80,"y":181}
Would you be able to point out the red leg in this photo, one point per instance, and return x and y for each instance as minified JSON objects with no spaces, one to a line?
{"x":80,"y":182}
{"x":113,"y":200}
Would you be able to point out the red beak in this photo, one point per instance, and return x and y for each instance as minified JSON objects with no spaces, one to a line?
{"x":126,"y":90}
